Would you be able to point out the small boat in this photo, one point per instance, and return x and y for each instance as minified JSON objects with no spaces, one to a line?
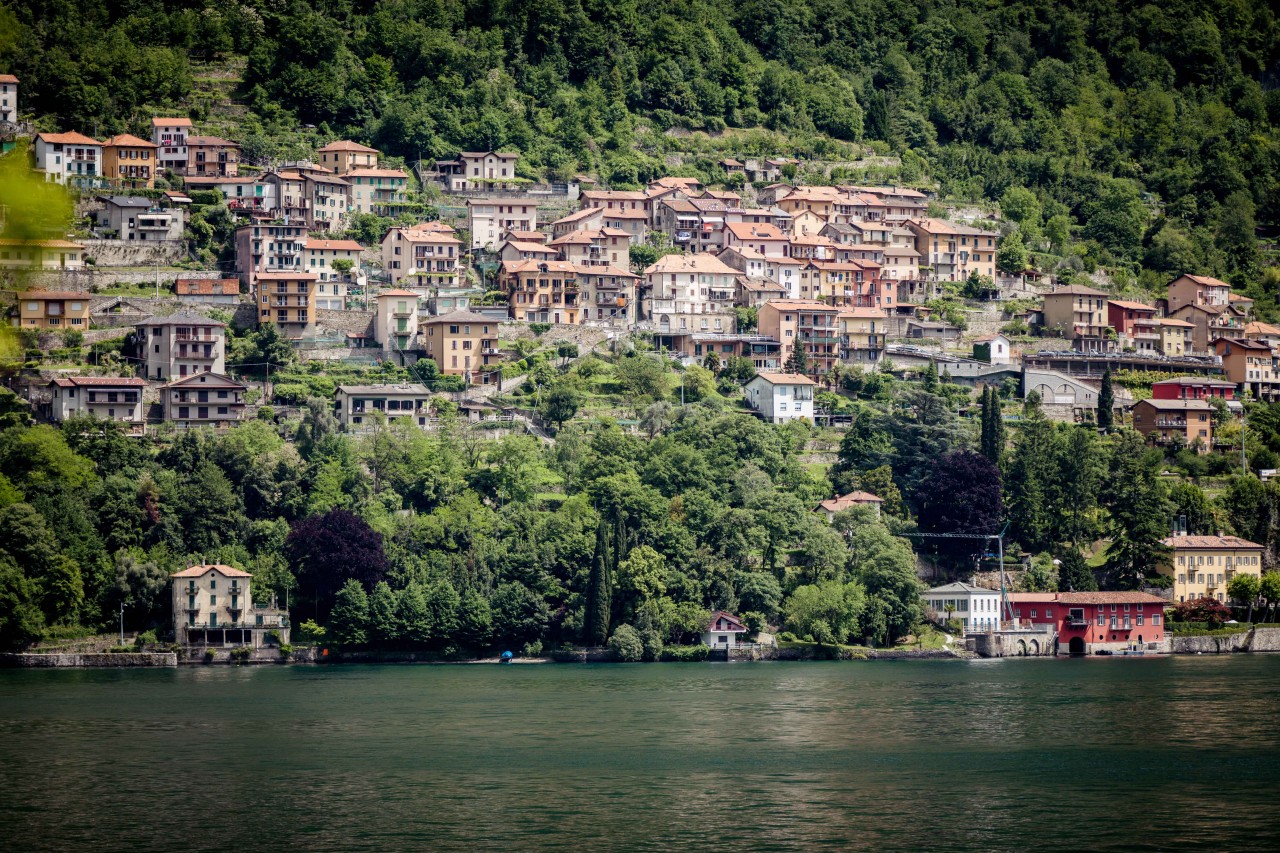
{"x":1104,"y":652}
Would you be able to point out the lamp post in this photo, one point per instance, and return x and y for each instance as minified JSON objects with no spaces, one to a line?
{"x":122,"y":623}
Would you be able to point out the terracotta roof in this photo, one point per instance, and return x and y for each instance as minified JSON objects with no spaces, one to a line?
{"x":584,"y":213}
{"x":615,"y":272}
{"x":1175,"y":405}
{"x":1206,"y":280}
{"x":207,"y":286}
{"x":99,"y":381}
{"x":197,"y":571}
{"x":348,"y":145}
{"x":867,"y":313}
{"x":728,"y":617}
{"x":1119,"y":597}
{"x":1243,"y":343}
{"x":527,"y":246}
{"x":1133,"y":306}
{"x":219,"y":381}
{"x":755,"y":231}
{"x":70,"y":138}
{"x":624,"y":214}
{"x":1180,"y":324}
{"x":53,"y":294}
{"x":701,"y":262}
{"x":460,"y":316}
{"x":376,"y":173}
{"x":1260,"y":328}
{"x":287,"y":276}
{"x":802,"y":305}
{"x":396,"y":293}
{"x":1194,"y":381}
{"x":8,"y":78}
{"x":171,"y":122}
{"x":784,"y":378}
{"x":1075,"y":290}
{"x":125,"y":140}
{"x":533,"y":264}
{"x":348,"y":245}
{"x":182,"y":318}
{"x":1199,"y":543}
{"x":843,"y":502}
{"x":614,"y":195}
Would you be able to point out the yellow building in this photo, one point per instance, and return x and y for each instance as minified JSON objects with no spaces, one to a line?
{"x":53,"y":309}
{"x":287,"y":299}
{"x":344,"y":155}
{"x":1175,"y":336}
{"x":128,"y":161}
{"x":462,"y":343}
{"x":41,"y":255}
{"x":1203,"y":566}
{"x":862,"y":334}
{"x":542,"y":291}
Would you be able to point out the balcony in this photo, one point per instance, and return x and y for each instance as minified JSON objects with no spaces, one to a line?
{"x":1074,"y":622}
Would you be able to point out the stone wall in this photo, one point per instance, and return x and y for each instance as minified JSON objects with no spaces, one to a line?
{"x":95,"y":280}
{"x":132,"y":253}
{"x":129,"y":659}
{"x":1254,"y":640}
{"x":345,"y":322}
{"x":1015,"y":644}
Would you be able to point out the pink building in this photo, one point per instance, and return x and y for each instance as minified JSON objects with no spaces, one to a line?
{"x":1090,"y":622}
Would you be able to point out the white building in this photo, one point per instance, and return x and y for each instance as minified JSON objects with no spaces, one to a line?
{"x":395,"y":324}
{"x":203,"y":400}
{"x":424,"y":255}
{"x":318,"y":257}
{"x":181,"y":345}
{"x":212,"y":606}
{"x":977,"y":608}
{"x":69,"y":158}
{"x":137,"y":218}
{"x":781,"y":397}
{"x":112,"y":398}
{"x":170,"y":138}
{"x":724,"y":631}
{"x":8,"y":98}
{"x":488,"y":220}
{"x":357,"y":404}
{"x":691,"y":293}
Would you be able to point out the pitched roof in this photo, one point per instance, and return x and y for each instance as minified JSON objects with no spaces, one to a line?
{"x":41,"y":244}
{"x":728,"y":617}
{"x":1201,"y":543}
{"x":125,"y":140}
{"x":348,"y":245}
{"x":843,"y":502}
{"x":526,"y":246}
{"x":395,"y":293}
{"x":536,"y":265}
{"x":219,"y":381}
{"x":1194,"y":381}
{"x":182,"y":318}
{"x":701,"y":262}
{"x":755,"y":231}
{"x":53,"y":294}
{"x":210,"y":141}
{"x":171,"y":122}
{"x":460,"y":316}
{"x":610,"y":270}
{"x":784,"y":378}
{"x":8,"y":78}
{"x":801,"y":305}
{"x":1132,"y":306}
{"x":69,"y":138}
{"x":99,"y":381}
{"x":287,"y":276}
{"x":348,"y":145}
{"x":1117,"y":597}
{"x":197,"y":571}
{"x":583,"y":213}
{"x":376,"y":173}
{"x":959,"y":587}
{"x":1243,"y":343}
{"x":1175,"y":405}
{"x":1206,"y":280}
{"x":1075,"y":290}
{"x":387,"y":388}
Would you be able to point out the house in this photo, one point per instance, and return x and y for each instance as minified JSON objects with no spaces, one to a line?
{"x":976,"y":608}
{"x":319,"y":257}
{"x":520,"y":250}
{"x":724,"y":631}
{"x":478,"y":170}
{"x":1195,"y":388}
{"x":1267,"y":333}
{"x":170,"y":138}
{"x":840,"y":503}
{"x":382,"y":192}
{"x":608,"y":294}
{"x":269,"y":247}
{"x":583,"y":219}
{"x":462,"y":343}
{"x":203,"y":400}
{"x":56,"y":310}
{"x":213,"y":606}
{"x":180,"y":345}
{"x":733,"y":167}
{"x":1091,"y":622}
{"x":424,"y":255}
{"x":395,"y":320}
{"x":1078,"y":313}
{"x":1175,"y":337}
{"x":1203,"y":566}
{"x":993,"y":349}
{"x":901,"y":263}
{"x":781,"y":397}
{"x":216,"y":291}
{"x":40,"y":255}
{"x":594,"y":247}
{"x":690,"y":293}
{"x":69,"y":158}
{"x":754,"y":291}
{"x":344,"y":156}
{"x":805,"y":323}
{"x":329,"y":200}
{"x":488,"y":219}
{"x":765,"y":238}
{"x":8,"y":99}
{"x":1188,"y":423}
{"x":1251,"y":365}
{"x":862,"y":335}
{"x":212,"y":156}
{"x":128,"y":161}
{"x":1198,"y":290}
{"x":137,"y":218}
{"x":932,"y":330}
{"x":287,"y":299}
{"x":542,"y":291}
{"x":112,"y":398}
{"x":762,"y":352}
{"x":357,"y":403}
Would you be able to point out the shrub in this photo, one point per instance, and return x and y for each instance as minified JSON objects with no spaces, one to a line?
{"x":120,"y":650}
{"x":146,"y":638}
{"x":651,"y":642}
{"x":311,"y":632}
{"x":787,"y":637}
{"x":625,"y":645}
{"x":685,"y":654}
{"x":532,"y":650}
{"x":209,"y":655}
{"x":539,"y":329}
{"x":241,"y":654}
{"x":285,"y":650}
{"x":755,"y":621}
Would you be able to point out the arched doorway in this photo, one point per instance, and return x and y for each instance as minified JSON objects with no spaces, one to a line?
{"x":1076,"y":646}
{"x":1022,"y":648}
{"x":1035,"y":648}
{"x":1139,"y":639}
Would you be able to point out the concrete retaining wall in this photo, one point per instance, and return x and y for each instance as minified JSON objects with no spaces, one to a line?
{"x":130,"y":659}
{"x":1255,"y":640}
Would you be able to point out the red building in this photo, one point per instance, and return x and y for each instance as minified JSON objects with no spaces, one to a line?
{"x":1192,"y":388}
{"x":1089,"y":622}
{"x":1122,"y":316}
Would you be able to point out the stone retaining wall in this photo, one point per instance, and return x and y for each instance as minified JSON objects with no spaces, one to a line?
{"x":1254,"y":640}
{"x":134,"y":253}
{"x":129,"y":659}
{"x":1014,"y":644}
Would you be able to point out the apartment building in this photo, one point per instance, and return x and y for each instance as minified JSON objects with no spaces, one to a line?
{"x":1188,"y":423}
{"x":395,"y":321}
{"x":198,"y":288}
{"x":287,"y":299}
{"x":804,"y":323}
{"x":488,"y":220}
{"x":382,"y":192}
{"x":1251,"y":365}
{"x":358,"y":405}
{"x":69,"y":158}
{"x":462,"y":343}
{"x":128,"y":161}
{"x":40,"y":255}
{"x":1211,"y":322}
{"x":1175,"y":337}
{"x":765,"y":238}
{"x":600,"y":247}
{"x":608,"y":294}
{"x":203,"y":400}
{"x":318,"y":256}
{"x":112,"y":398}
{"x":691,"y":293}
{"x":862,"y":335}
{"x":478,"y":170}
{"x":328,"y":199}
{"x":345,"y":156}
{"x":583,"y":219}
{"x":212,"y":156}
{"x":1202,"y":566}
{"x":521,"y":250}
{"x":181,"y":345}
{"x":542,"y":291}
{"x":170,"y":135}
{"x":1078,"y":313}
{"x":213,"y":606}
{"x":1198,"y":290}
{"x":424,"y":255}
{"x":57,"y":310}
{"x":781,"y":397}
{"x":269,"y":247}
{"x":287,"y":189}
{"x":137,"y":218}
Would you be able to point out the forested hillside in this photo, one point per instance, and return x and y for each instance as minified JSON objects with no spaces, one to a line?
{"x":1152,"y":127}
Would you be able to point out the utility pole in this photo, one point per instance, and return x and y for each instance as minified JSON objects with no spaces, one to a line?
{"x":122,"y":622}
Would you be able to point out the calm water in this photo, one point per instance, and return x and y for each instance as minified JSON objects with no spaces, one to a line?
{"x":991,"y":755}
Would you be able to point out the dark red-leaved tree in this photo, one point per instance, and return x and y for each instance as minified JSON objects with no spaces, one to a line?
{"x":961,"y":494}
{"x":326,"y":550}
{"x":1202,"y":610}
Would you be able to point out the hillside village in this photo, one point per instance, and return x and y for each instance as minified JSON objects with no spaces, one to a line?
{"x":454,"y":289}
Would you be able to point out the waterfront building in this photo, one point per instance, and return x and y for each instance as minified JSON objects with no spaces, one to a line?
{"x":212,"y":606}
{"x":1203,"y":566}
{"x":977,"y":608}
{"x":1088,"y":622}
{"x":724,"y":631}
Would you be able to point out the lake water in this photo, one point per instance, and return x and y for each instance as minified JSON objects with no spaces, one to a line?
{"x":1075,"y":755}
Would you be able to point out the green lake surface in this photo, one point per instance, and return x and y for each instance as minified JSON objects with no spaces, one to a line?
{"x":1136,"y":754}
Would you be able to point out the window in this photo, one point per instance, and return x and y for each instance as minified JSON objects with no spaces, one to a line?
{"x":1139,"y":620}
{"x":1155,"y":619}
{"x":1114,"y":621}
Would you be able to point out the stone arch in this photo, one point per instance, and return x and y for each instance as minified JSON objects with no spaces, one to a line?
{"x":1022,"y":648}
{"x":1035,"y":648}
{"x":1076,"y":646}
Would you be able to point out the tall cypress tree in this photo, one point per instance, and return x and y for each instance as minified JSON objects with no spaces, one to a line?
{"x":1106,"y":403}
{"x":599,"y":593}
{"x":992,"y":426}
